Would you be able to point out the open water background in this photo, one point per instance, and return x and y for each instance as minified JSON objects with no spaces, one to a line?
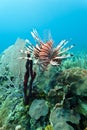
{"x":65,"y":19}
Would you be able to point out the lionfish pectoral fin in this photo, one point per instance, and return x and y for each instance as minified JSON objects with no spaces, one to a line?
{"x":54,"y":63}
{"x":37,"y":46}
{"x":66,"y":49}
{"x":62,"y":44}
{"x":29,"y":44}
{"x":36,"y":36}
{"x":63,"y":57}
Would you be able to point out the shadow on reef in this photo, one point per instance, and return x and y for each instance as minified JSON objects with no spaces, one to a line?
{"x":58,"y":101}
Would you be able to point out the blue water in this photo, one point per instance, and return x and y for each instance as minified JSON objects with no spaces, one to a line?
{"x":66,"y":19}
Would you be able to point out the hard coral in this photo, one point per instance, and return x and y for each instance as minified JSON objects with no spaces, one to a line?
{"x":45,"y":54}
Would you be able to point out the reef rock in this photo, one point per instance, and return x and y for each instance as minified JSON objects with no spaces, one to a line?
{"x":38,"y":108}
{"x":60,"y":117}
{"x":80,"y":89}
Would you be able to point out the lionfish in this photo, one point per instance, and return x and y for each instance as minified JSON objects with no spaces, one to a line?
{"x":44,"y":52}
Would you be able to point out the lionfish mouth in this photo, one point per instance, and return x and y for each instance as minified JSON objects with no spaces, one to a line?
{"x":45,"y":54}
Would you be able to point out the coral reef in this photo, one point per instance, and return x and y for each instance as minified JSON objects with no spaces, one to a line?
{"x":59,"y":95}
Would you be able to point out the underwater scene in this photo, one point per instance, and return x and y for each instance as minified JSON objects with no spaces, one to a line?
{"x":43,"y":65}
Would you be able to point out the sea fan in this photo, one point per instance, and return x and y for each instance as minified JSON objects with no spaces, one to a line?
{"x":45,"y":54}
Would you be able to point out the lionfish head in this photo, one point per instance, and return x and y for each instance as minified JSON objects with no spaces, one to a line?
{"x":45,"y":53}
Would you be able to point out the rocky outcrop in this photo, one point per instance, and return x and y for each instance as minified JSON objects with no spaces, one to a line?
{"x":38,"y":109}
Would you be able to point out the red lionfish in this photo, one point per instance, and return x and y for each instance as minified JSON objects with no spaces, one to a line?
{"x":45,"y":54}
